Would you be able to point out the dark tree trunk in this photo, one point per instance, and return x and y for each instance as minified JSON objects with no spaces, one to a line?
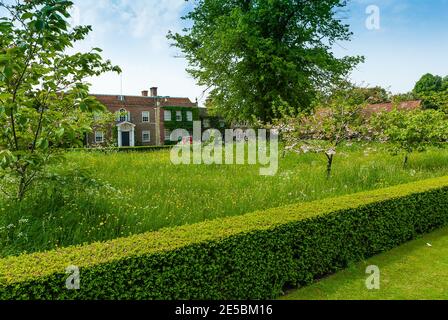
{"x":406,"y":160}
{"x":329,"y":165}
{"x":21,"y":189}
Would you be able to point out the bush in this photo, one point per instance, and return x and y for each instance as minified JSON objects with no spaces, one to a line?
{"x":124,"y":149}
{"x":254,"y":256}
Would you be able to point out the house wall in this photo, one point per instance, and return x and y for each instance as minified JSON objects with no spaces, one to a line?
{"x":174,"y":124}
{"x":155,"y":106}
{"x":135,"y":113}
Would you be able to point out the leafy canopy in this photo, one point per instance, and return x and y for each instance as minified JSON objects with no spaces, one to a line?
{"x":433,"y":90}
{"x":257,"y":54}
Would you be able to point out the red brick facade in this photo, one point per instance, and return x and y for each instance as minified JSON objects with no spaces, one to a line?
{"x":132,"y":122}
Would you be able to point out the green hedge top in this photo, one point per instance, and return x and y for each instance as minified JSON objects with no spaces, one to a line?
{"x":121,"y":149}
{"x":30,"y":267}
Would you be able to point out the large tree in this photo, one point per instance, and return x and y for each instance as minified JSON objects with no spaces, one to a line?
{"x":256,"y":54}
{"x":428,"y":83}
{"x":433,"y":91}
{"x":44,"y":99}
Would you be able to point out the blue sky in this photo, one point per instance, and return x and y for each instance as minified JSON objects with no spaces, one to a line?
{"x":412,"y":40}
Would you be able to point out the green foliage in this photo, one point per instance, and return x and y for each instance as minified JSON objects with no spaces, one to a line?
{"x":105,"y":122}
{"x":436,"y":100}
{"x":372,"y":95}
{"x":184,"y":124}
{"x":428,"y":83}
{"x":143,"y":149}
{"x":111,"y":150}
{"x":176,"y":196}
{"x":44,"y":99}
{"x":255,"y":256}
{"x":256,"y":55}
{"x":410,"y":131}
{"x":433,"y":90}
{"x":403,"y":97}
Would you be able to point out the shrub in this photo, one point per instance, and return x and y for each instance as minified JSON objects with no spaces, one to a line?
{"x":254,"y":256}
{"x":123,"y":149}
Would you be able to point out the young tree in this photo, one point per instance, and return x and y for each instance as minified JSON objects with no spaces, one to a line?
{"x":410,"y":131}
{"x":43,"y":95}
{"x":334,"y":122}
{"x":257,"y":54}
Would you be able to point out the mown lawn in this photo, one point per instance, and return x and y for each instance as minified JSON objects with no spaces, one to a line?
{"x":417,"y":270}
{"x":97,"y":196}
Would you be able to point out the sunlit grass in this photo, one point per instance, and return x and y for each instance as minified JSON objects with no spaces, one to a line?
{"x":140,"y":192}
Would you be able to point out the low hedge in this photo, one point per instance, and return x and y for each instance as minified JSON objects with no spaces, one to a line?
{"x":254,"y":256}
{"x":124,"y":149}
{"x":143,"y":148}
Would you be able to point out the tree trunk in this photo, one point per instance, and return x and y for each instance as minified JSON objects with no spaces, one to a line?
{"x":406,"y":160}
{"x":21,"y":189}
{"x":283,"y":154}
{"x":329,"y":165}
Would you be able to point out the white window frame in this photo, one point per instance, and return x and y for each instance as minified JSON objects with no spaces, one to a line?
{"x":190,"y":116}
{"x":149,"y":136}
{"x":167,"y":116}
{"x":179,"y":119}
{"x":123,"y":113}
{"x":97,"y":135}
{"x":167,"y":134}
{"x":146,"y":114}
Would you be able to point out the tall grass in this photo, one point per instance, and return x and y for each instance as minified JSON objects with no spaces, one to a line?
{"x":119,"y":194}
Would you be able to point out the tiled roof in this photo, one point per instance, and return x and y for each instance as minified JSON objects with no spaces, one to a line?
{"x":380,"y":107}
{"x":140,"y":101}
{"x":371,"y":109}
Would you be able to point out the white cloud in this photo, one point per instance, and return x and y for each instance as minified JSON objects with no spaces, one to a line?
{"x":133,"y":35}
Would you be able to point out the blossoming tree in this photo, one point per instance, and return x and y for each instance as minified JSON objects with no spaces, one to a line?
{"x":335,"y":120}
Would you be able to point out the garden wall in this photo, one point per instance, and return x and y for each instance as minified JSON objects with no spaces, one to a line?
{"x":254,"y":256}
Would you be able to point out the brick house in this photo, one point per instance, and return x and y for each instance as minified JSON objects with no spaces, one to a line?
{"x":145,"y":120}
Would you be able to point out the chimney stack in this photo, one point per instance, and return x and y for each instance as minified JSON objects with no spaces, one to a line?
{"x":145,"y":93}
{"x":154,"y":92}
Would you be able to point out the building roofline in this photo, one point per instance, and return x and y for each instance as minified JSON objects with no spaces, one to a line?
{"x":391,"y":102}
{"x":136,"y":96}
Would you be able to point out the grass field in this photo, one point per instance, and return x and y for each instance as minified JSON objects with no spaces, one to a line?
{"x":417,"y":270}
{"x":112,"y":195}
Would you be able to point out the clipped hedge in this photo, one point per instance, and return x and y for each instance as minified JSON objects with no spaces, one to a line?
{"x":245,"y":257}
{"x":143,"y":148}
{"x":124,"y":149}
